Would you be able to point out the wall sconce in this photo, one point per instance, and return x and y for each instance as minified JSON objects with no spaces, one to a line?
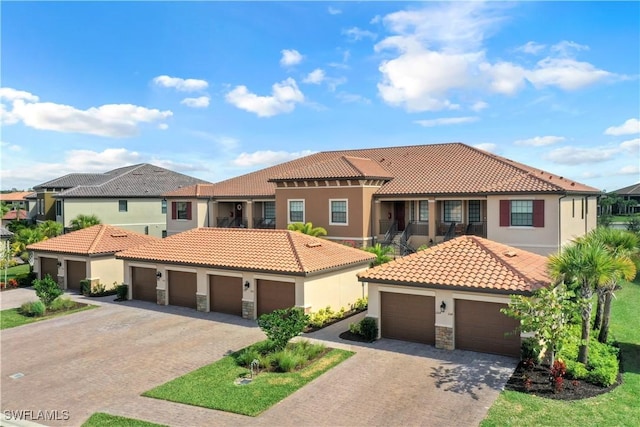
{"x":443,"y":307}
{"x":158,"y":274}
{"x":247,"y":285}
{"x":59,"y":264}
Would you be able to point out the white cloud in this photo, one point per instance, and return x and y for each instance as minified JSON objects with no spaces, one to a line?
{"x":630,"y":170}
{"x":334,"y":11}
{"x":315,"y":77}
{"x":504,"y":77}
{"x":577,"y":156}
{"x":290,"y":57}
{"x":182,"y":85}
{"x":352,"y":98}
{"x":540,"y":141}
{"x":199,"y":102}
{"x":268,"y":157}
{"x":285,"y":95}
{"x":632,"y":146}
{"x":479,"y":106}
{"x":11,"y":147}
{"x":356,"y":34}
{"x":10,"y":94}
{"x":629,"y":127}
{"x":163,"y":126}
{"x":565,"y":73}
{"x":487,"y":146}
{"x":376,"y":19}
{"x":567,"y":48}
{"x":532,"y":48}
{"x":445,"y":121}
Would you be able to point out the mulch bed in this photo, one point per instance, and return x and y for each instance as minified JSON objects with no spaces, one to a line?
{"x":350,"y":336}
{"x":541,"y":385}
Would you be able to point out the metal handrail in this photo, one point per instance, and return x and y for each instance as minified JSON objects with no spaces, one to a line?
{"x":391,"y":232}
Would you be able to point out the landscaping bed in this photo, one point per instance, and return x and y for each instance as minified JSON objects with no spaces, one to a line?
{"x":13,"y":317}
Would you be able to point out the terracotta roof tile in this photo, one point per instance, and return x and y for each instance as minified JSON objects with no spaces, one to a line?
{"x":343,"y":167}
{"x":468,"y":262}
{"x":16,"y":196}
{"x":452,"y":168}
{"x":98,"y":239}
{"x":15,"y":214}
{"x":281,"y":251}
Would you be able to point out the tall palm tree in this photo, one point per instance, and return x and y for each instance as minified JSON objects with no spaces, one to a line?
{"x":307,"y":228}
{"x":50,"y":228}
{"x":24,"y":237}
{"x":587,"y":265}
{"x":381,"y":253}
{"x":84,"y":221}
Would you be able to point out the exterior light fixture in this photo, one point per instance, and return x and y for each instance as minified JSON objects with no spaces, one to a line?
{"x":443,"y":307}
{"x":247,"y":285}
{"x":59,"y":264}
{"x":158,"y":274}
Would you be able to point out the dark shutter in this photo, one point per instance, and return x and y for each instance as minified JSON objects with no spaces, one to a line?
{"x":505,"y":212}
{"x":538,"y":213}
{"x":188,"y":210}
{"x":174,"y":210}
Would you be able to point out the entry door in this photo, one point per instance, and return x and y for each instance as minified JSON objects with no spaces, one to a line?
{"x":398,"y":207}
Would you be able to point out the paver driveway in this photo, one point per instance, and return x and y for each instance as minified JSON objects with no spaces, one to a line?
{"x":103,"y":359}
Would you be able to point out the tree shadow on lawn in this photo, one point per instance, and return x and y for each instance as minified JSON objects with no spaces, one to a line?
{"x":472,"y":378}
{"x":629,"y":357}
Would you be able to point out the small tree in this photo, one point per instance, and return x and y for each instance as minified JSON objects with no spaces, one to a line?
{"x":547,"y":314}
{"x":47,"y":290}
{"x":282,"y":325}
{"x":381,"y":253}
{"x":84,"y":221}
{"x":50,"y":228}
{"x":307,"y":228}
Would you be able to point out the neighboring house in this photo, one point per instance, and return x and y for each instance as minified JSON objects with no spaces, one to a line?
{"x":20,"y":200}
{"x":13,"y":215}
{"x":128,"y":197}
{"x":630,"y":193}
{"x":245,"y":272}
{"x":409,"y":196}
{"x":450,"y":295}
{"x":88,"y":253}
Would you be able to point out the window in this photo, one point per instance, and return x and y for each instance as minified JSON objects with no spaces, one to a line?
{"x":423,"y":210}
{"x":296,"y":210}
{"x":474,"y":211}
{"x":452,"y":211}
{"x":522,"y":213}
{"x":163,"y":209}
{"x":181,"y":210}
{"x":164,"y":233}
{"x":58,"y":207}
{"x":269,"y":210}
{"x":338,"y":212}
{"x":122,"y":205}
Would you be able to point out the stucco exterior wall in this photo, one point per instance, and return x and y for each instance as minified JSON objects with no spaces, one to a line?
{"x":107,"y":270}
{"x":578,"y":216}
{"x":336,"y":289}
{"x":199,"y":218}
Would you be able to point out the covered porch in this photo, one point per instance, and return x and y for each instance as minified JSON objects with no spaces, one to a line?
{"x":244,"y":214}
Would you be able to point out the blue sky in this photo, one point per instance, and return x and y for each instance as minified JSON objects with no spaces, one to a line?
{"x":218,"y":89}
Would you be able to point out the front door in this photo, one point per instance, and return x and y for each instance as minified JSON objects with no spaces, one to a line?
{"x":398,"y":207}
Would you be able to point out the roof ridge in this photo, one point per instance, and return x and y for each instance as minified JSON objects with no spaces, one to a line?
{"x":501,"y":261}
{"x":98,"y":237}
{"x":294,"y":249}
{"x":354,"y":167}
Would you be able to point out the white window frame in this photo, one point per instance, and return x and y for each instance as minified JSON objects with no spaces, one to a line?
{"x":346,"y":201}
{"x":289,"y":210}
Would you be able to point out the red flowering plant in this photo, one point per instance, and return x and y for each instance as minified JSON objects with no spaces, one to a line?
{"x":13,"y":283}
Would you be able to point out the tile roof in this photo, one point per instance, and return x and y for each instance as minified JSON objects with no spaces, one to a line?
{"x":5,"y":234}
{"x":279,"y":251}
{"x":631,"y":190}
{"x":438,"y":169}
{"x":343,"y":167}
{"x":469,"y":263}
{"x":98,"y":239}
{"x":143,"y":180}
{"x":16,"y":196}
{"x":15,"y":214}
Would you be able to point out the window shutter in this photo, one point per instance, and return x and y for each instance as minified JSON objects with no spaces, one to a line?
{"x":174,"y":210}
{"x":538,"y":213}
{"x":188,"y":210}
{"x":505,"y":211}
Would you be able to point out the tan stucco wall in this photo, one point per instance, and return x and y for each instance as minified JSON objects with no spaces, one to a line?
{"x":107,"y":270}
{"x":336,"y":289}
{"x":578,"y":216}
{"x":141,"y":213}
{"x":199,"y":217}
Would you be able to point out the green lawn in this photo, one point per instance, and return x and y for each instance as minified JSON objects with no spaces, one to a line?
{"x":213,"y":387}
{"x":620,"y":407}
{"x":10,"y":318}
{"x":100,"y":419}
{"x":17,"y":270}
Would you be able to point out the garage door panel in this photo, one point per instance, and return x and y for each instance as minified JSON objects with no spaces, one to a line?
{"x":143,"y":284}
{"x":76,"y":271}
{"x":408,"y":317}
{"x":49,"y":266}
{"x":182,"y":289}
{"x":225,"y":294}
{"x":274,"y":295}
{"x":480,"y":326}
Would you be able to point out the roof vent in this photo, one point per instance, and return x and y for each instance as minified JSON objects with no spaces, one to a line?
{"x":119,"y":235}
{"x":510,"y":254}
{"x":313,"y":244}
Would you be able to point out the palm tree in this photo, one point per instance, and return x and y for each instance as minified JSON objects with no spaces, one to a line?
{"x":50,"y":228}
{"x":307,"y":228}
{"x":25,"y":237}
{"x":587,"y":265}
{"x":84,"y":221}
{"x":381,"y":253}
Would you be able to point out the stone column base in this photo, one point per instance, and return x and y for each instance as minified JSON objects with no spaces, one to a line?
{"x":247,"y":310}
{"x":161,"y":296}
{"x":61,"y":282}
{"x":444,"y":337}
{"x":201,"y":302}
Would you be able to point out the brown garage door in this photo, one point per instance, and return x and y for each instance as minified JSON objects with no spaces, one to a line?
{"x":481,"y":327}
{"x":143,"y":283}
{"x":273,"y":295}
{"x":49,"y":266}
{"x":408,"y":317}
{"x":182,"y":289}
{"x":225,"y":294}
{"x":76,"y":271}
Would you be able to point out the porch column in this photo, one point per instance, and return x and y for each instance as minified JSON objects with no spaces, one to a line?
{"x":432,"y":218}
{"x":375,"y":219}
{"x":249,"y":213}
{"x":213,"y":213}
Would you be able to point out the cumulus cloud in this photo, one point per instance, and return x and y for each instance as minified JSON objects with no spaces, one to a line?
{"x":11,"y":147}
{"x":629,"y":170}
{"x":182,"y":85}
{"x":568,"y":48}
{"x":290,"y":57}
{"x":632,"y":146}
{"x":334,"y":11}
{"x":268,"y":157}
{"x":356,"y":34}
{"x":487,"y":146}
{"x":540,"y":141}
{"x":10,"y":94}
{"x":531,"y":47}
{"x":445,"y":121}
{"x":283,"y":99}
{"x":565,"y":73}
{"x":479,"y":106}
{"x":199,"y":102}
{"x":315,"y":77}
{"x":629,"y":127}
{"x":577,"y":155}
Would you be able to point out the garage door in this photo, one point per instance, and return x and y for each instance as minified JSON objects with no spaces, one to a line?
{"x":479,"y":326}
{"x":273,"y":295}
{"x":49,"y":266}
{"x":143,"y":284}
{"x":182,"y":289}
{"x":408,"y":317}
{"x":76,"y":271}
{"x":225,"y":294}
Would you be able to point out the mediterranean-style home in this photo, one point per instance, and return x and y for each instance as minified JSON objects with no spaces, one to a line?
{"x":411,"y":196}
{"x":88,"y":254}
{"x":129,"y":197}
{"x":630,"y":193}
{"x":18,"y":200}
{"x":245,"y":272}
{"x":450,"y":295}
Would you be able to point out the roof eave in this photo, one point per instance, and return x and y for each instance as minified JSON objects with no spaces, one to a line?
{"x":447,"y":287}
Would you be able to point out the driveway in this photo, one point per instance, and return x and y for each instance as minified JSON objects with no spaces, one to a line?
{"x":103,"y":359}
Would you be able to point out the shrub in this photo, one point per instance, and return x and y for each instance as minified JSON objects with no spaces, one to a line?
{"x":602,"y":367}
{"x":354,"y":328}
{"x":33,"y":308}
{"x":246,"y":356}
{"x":282,"y":325}
{"x":288,"y":360}
{"x":361,"y":304}
{"x":47,"y":290}
{"x":122,"y":292}
{"x":62,"y":303}
{"x":98,"y":289}
{"x":85,"y":287}
{"x":369,"y":328}
{"x":530,"y":349}
{"x":26,"y":280}
{"x":308,"y":350}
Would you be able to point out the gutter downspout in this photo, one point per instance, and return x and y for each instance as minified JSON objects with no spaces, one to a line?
{"x":560,"y":222}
